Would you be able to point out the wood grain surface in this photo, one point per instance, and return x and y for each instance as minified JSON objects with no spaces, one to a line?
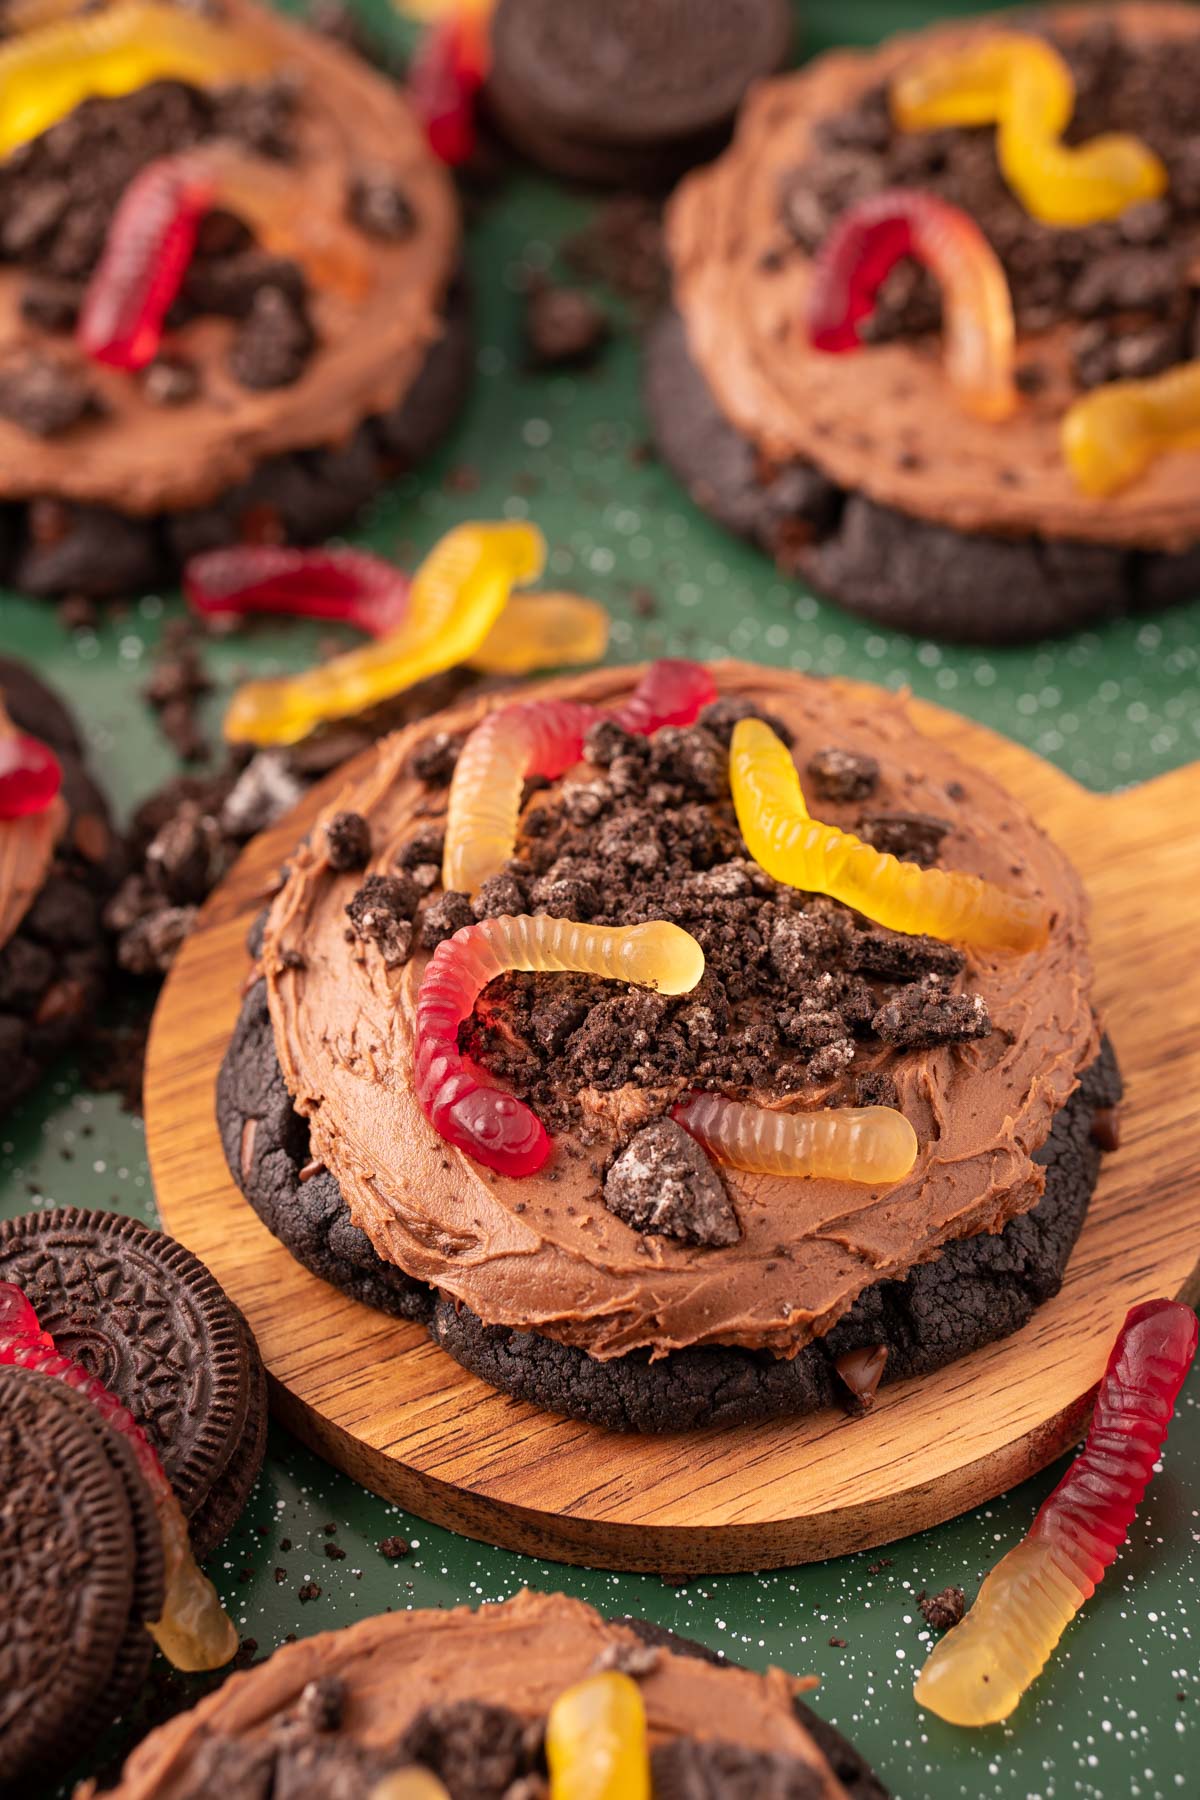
{"x":382,"y":1403}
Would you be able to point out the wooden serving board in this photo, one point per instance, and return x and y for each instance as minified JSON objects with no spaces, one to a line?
{"x":382,"y":1403}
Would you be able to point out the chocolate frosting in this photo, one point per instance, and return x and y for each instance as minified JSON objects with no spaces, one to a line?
{"x":884,"y":421}
{"x":27,"y":847}
{"x":521,"y":1654}
{"x":145,"y":458}
{"x":544,"y":1253}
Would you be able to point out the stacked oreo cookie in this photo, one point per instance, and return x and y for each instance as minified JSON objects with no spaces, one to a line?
{"x":81,"y":1549}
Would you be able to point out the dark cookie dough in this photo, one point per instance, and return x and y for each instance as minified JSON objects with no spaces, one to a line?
{"x":625,"y":94}
{"x":81,"y":1569}
{"x":979,"y":1289}
{"x":904,"y":572}
{"x":145,"y":1316}
{"x":54,"y":967}
{"x":54,"y":547}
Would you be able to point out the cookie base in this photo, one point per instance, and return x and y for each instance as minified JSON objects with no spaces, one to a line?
{"x":979,"y":1290}
{"x":305,"y":494}
{"x":905,"y":573}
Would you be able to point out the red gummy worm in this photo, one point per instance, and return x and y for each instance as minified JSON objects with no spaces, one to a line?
{"x":671,"y":692}
{"x":444,"y":79}
{"x":350,"y":586}
{"x":30,"y":773}
{"x":1092,"y":1508}
{"x":146,"y":254}
{"x":853,"y":263}
{"x":492,"y":1126}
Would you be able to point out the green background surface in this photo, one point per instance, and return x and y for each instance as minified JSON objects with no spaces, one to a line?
{"x":1113,"y":1716}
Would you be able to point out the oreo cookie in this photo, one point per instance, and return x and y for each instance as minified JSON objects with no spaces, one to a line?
{"x":81,"y":1572}
{"x":145,"y":1317}
{"x":625,"y":94}
{"x":980,"y":1288}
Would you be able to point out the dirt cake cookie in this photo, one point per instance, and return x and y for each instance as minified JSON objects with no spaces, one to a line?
{"x":934,"y":343}
{"x":658,"y":1105}
{"x":227,"y":302}
{"x":59,"y":858}
{"x":518,"y":1701}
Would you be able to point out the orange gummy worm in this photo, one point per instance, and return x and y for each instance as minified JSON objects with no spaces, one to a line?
{"x":872,"y":1144}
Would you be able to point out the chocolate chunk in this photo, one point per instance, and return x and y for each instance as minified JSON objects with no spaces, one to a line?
{"x":662,"y":1182}
{"x":913,"y":837}
{"x":943,"y":1610}
{"x":875,"y":1088}
{"x":308,"y":1590}
{"x":443,"y":917}
{"x":1106,"y":1128}
{"x":274,"y":342}
{"x":347,"y":842}
{"x":433,"y":760}
{"x":923,"y":1015}
{"x":51,"y":305}
{"x":563,"y":326}
{"x":322,"y":1703}
{"x":379,"y":206}
{"x":862,"y":1371}
{"x":891,"y":956}
{"x":500,"y":896}
{"x":688,"y":1769}
{"x":44,"y":396}
{"x":473,"y":1748}
{"x":170,"y":381}
{"x":381,"y":913}
{"x":720,"y":717}
{"x":842,"y":775}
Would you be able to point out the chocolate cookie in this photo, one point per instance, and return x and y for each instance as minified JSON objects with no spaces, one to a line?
{"x":54,"y":963}
{"x":468,"y":1704}
{"x":624,"y":94}
{"x":145,"y":1317}
{"x":81,"y":1570}
{"x":907,"y":573}
{"x":980,"y":1288}
{"x":865,"y":473}
{"x":293,"y":397}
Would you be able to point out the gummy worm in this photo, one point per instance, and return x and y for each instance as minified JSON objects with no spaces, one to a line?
{"x":873,"y":1144}
{"x":194,"y":1632}
{"x":1022,"y":85}
{"x":355,"y":587}
{"x":981,"y":1668}
{"x":45,"y":73}
{"x":865,"y":245}
{"x":822,"y":859}
{"x":493,"y":1127}
{"x":544,"y":737}
{"x":596,"y":1741}
{"x":457,"y":595}
{"x":413,"y":1783}
{"x":152,"y":238}
{"x":447,"y":71}
{"x":1111,"y":435}
{"x":30,"y":773}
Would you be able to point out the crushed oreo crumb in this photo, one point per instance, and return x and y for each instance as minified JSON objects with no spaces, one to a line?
{"x":442,"y":917}
{"x":347,"y":842}
{"x":433,"y":760}
{"x":913,"y":837}
{"x":563,"y":326}
{"x":842,"y":775}
{"x":43,"y":396}
{"x":943,"y":1610}
{"x":274,"y":341}
{"x":381,"y":913}
{"x":721,"y":716}
{"x":925,"y":1014}
{"x":379,"y":206}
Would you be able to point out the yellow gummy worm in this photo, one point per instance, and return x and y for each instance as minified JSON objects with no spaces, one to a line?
{"x":873,"y":1144}
{"x":1111,"y":435}
{"x":596,"y":1743}
{"x":409,"y":1784}
{"x":544,"y":631}
{"x":1023,"y":86}
{"x":457,"y":595}
{"x":46,"y":72}
{"x":822,"y":859}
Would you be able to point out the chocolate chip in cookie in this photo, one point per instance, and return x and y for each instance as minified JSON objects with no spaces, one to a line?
{"x":663,"y":1183}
